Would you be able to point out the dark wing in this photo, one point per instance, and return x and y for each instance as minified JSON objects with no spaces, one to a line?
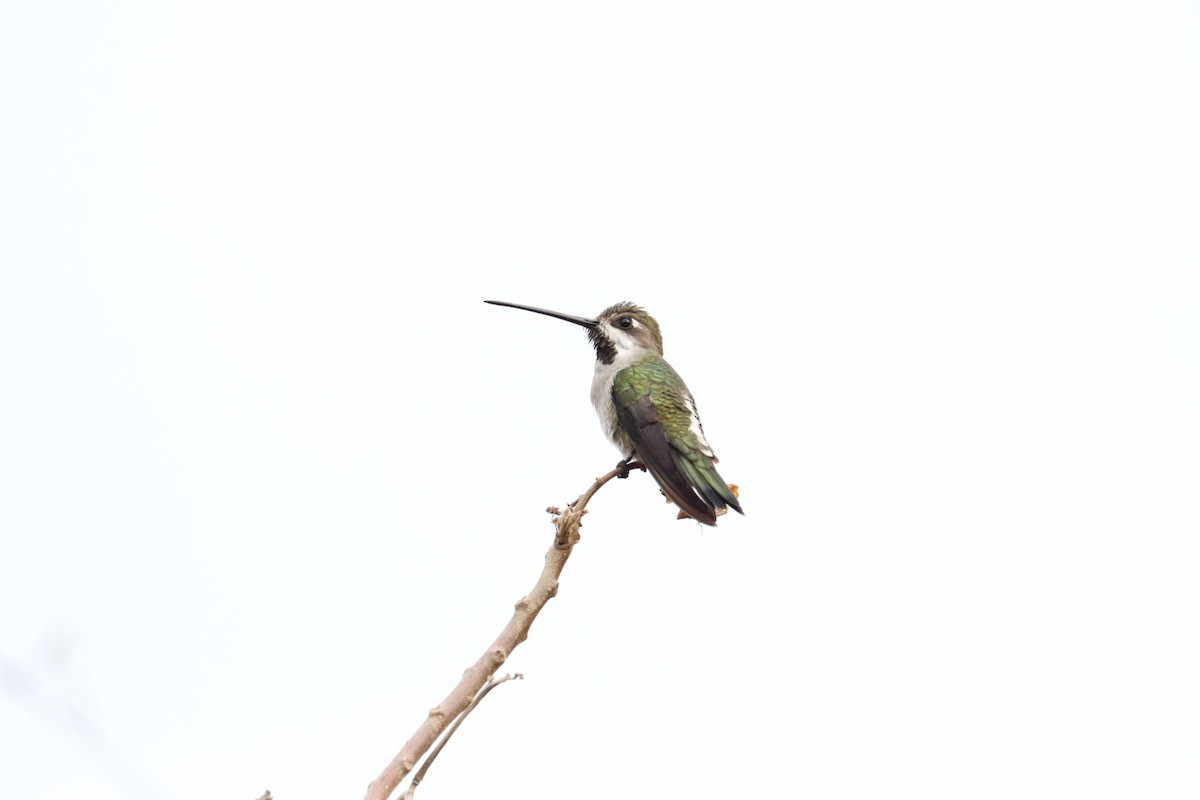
{"x":657,"y":412}
{"x":642,"y":423}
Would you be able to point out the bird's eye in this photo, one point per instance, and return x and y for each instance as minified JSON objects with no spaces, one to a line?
{"x":625,"y":322}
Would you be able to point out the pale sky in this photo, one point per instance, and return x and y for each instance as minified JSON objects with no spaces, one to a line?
{"x":272,"y":475}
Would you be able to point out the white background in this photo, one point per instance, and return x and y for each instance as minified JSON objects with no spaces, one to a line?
{"x":272,"y":475}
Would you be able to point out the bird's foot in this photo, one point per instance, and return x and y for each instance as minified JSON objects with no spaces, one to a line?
{"x":623,"y":465}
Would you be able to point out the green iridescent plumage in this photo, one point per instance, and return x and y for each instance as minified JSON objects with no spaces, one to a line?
{"x":657,"y":412}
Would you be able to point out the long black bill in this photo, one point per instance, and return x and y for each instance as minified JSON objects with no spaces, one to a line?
{"x":584,"y":321}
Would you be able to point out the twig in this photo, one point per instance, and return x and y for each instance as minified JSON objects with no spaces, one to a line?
{"x":420,"y":776}
{"x":566,"y":534}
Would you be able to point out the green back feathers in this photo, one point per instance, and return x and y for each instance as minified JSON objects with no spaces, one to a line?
{"x":656,"y":410}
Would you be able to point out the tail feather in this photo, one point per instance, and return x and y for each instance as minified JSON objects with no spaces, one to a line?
{"x":710,"y":485}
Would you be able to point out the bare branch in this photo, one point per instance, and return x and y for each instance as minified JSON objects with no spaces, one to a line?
{"x":566,"y":534}
{"x":420,"y":776}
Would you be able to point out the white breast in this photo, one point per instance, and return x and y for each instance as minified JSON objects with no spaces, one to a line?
{"x":602,"y":381}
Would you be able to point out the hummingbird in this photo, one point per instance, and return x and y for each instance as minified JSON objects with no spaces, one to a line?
{"x":647,"y":411}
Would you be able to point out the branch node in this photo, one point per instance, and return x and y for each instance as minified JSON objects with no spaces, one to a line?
{"x":567,"y":525}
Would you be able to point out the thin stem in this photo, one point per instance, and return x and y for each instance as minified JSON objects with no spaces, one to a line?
{"x":566,"y":534}
{"x":420,"y":776}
